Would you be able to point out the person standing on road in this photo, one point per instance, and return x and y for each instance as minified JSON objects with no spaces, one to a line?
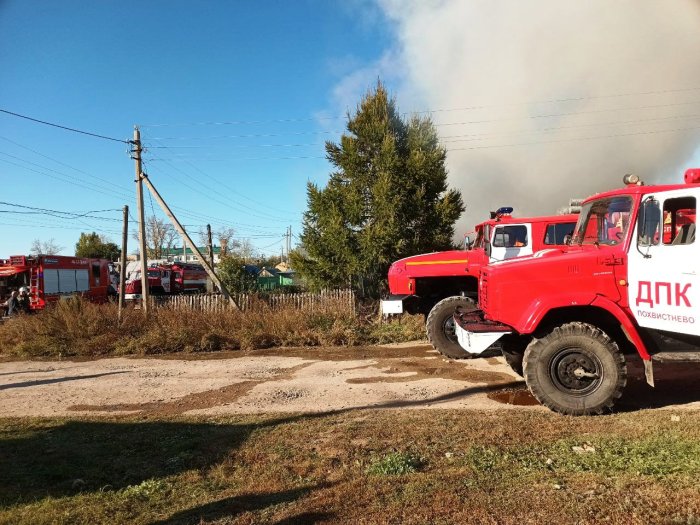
{"x":11,"y":304}
{"x":23,"y":300}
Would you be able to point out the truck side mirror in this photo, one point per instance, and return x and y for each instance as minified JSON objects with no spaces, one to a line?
{"x":468,"y":243}
{"x":487,"y":248}
{"x":648,"y":223}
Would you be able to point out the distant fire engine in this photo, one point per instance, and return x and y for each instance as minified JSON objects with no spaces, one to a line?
{"x":168,"y":279}
{"x":52,"y":277}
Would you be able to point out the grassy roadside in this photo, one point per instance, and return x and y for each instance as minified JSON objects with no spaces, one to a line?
{"x":80,"y":328}
{"x":354,"y":467}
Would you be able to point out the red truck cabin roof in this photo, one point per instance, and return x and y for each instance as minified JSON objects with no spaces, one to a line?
{"x":547,"y":218}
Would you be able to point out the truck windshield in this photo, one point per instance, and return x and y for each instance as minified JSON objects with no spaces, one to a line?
{"x":603,"y":221}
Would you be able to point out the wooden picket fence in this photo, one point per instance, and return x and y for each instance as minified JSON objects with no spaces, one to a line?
{"x":250,"y":302}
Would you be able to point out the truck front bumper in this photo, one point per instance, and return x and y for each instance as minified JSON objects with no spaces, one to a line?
{"x":394,"y":304}
{"x":475,"y":334}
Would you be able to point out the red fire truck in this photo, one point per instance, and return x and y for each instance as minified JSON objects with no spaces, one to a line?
{"x":436,"y":283}
{"x":168,"y":279}
{"x":51,"y":277}
{"x":628,"y":283}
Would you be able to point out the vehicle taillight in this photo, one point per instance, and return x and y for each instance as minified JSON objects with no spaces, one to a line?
{"x":692,"y":176}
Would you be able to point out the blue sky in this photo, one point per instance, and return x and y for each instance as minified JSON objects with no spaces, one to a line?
{"x":535,"y":102}
{"x":234,"y":101}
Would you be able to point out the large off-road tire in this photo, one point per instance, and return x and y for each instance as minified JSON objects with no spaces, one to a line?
{"x":441,"y":326}
{"x":514,"y":359}
{"x":576,"y":369}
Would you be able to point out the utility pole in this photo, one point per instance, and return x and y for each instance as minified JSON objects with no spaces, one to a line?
{"x":289,"y":243}
{"x":145,"y":295}
{"x":210,"y":253}
{"x":122,"y":269}
{"x":188,"y":239}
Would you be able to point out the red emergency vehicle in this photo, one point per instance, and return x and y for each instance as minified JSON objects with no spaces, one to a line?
{"x":436,"y":283}
{"x":51,"y":277}
{"x":168,"y":279}
{"x":628,"y":283}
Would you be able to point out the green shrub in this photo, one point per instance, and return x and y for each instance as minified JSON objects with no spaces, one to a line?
{"x":395,"y":464}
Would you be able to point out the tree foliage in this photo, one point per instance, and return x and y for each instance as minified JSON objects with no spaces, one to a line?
{"x":232,"y":272}
{"x":161,"y":236}
{"x":387,"y":198}
{"x":97,"y":246}
{"x":40,"y":247}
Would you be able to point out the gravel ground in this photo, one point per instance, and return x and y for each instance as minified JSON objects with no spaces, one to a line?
{"x":296,"y":380}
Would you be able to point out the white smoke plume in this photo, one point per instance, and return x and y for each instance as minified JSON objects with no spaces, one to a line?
{"x":545,"y":100}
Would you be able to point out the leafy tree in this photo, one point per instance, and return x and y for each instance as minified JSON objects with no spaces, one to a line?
{"x":243,"y":249}
{"x":224,"y":236}
{"x":49,"y":247}
{"x":94,"y":245}
{"x":386,"y":199}
{"x":232,"y":272}
{"x":160,"y":236}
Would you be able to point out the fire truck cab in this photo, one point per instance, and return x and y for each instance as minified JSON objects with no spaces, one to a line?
{"x":434,"y":284}
{"x":628,"y":283}
{"x":168,"y":279}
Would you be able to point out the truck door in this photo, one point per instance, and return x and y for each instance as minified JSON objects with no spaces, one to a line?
{"x":510,"y":240}
{"x":165,"y":281}
{"x":664,"y":286}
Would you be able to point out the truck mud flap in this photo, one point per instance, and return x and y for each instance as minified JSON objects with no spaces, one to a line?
{"x":475,"y":334}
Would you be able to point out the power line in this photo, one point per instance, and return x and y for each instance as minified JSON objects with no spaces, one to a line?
{"x":443,"y":110}
{"x":480,"y":136}
{"x":59,"y":213}
{"x":224,"y":185}
{"x":64,"y":178}
{"x":577,"y":139}
{"x":209,"y":196}
{"x":105,"y":181}
{"x":64,"y":127}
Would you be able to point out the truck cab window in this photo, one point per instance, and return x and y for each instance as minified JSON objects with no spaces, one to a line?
{"x":510,"y":237}
{"x":557,"y":233}
{"x":679,"y":221}
{"x":96,"y":273}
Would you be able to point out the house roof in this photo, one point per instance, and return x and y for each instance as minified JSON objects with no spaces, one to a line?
{"x":178,"y":251}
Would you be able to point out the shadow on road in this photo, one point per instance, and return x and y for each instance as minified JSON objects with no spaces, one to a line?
{"x":676,"y":384}
{"x":38,"y":382}
{"x":230,"y":507}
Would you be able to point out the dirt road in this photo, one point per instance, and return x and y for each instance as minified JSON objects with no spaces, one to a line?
{"x":295,"y":380}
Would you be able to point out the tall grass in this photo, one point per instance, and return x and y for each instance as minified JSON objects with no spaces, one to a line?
{"x":79,"y":328}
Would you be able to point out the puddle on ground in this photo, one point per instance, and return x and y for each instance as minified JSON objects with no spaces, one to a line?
{"x":519,"y":397}
{"x":429,"y":369}
{"x":198,"y":400}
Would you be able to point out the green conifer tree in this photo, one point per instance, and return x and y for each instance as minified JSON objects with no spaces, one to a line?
{"x":387,"y":198}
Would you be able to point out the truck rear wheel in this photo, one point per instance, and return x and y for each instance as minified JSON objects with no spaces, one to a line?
{"x":441,"y":326}
{"x":576,"y":369}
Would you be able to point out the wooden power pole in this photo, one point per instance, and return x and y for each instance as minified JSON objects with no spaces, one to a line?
{"x":205,"y":263}
{"x":210,"y":253}
{"x":145,"y":292}
{"x":122,"y":268}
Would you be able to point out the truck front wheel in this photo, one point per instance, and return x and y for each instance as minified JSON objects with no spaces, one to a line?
{"x":441,"y":326}
{"x":576,"y":369}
